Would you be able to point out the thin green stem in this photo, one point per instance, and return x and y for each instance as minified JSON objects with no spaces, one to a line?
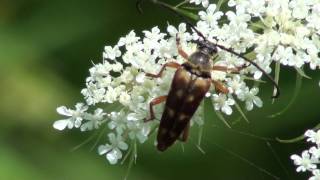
{"x":182,"y":3}
{"x":220,"y":116}
{"x":219,"y":4}
{"x":294,"y":97}
{"x":276,"y":78}
{"x":241,"y":112}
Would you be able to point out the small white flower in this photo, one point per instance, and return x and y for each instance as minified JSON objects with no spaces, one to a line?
{"x":236,"y":85}
{"x":125,"y":98}
{"x":111,"y":53}
{"x":313,"y":136}
{"x":211,"y":16}
{"x":204,"y":3}
{"x":315,"y":152}
{"x":93,"y":120}
{"x":118,"y":122}
{"x":250,"y":98}
{"x":223,"y":103}
{"x":76,"y":116}
{"x":316,"y":175}
{"x":304,"y":162}
{"x":139,"y":131}
{"x":113,"y":150}
{"x":152,"y":38}
{"x":128,"y":40}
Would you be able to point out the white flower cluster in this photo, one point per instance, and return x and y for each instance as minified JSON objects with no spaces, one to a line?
{"x":287,"y":34}
{"x":290,"y":30}
{"x":309,"y":158}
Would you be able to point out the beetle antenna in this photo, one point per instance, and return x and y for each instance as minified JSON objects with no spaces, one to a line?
{"x":256,"y":65}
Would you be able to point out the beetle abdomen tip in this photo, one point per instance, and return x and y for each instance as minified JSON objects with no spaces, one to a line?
{"x":162,"y":147}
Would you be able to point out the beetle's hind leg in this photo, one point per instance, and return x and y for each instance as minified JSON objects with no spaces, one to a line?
{"x":169,"y":64}
{"x":219,"y":86}
{"x":154,"y":102}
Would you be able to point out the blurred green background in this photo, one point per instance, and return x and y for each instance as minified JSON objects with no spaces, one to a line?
{"x":46,"y":49}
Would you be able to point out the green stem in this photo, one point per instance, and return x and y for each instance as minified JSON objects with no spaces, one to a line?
{"x":241,"y":112}
{"x":200,"y":135}
{"x":182,"y":3}
{"x":302,"y":73}
{"x":132,"y":159}
{"x":297,"y":139}
{"x":220,"y":116}
{"x":294,"y":97}
{"x":276,"y":78}
{"x":219,"y":4}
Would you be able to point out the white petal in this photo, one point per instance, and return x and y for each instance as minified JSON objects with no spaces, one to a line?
{"x":102,"y":149}
{"x":140,"y":78}
{"x":227,"y":110}
{"x":114,"y":155}
{"x":249,"y":105}
{"x":112,"y":158}
{"x":123,"y":145}
{"x":64,"y":111}
{"x":257,"y":101}
{"x":61,"y":124}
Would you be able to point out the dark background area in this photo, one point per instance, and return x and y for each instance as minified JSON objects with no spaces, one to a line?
{"x":46,"y":49}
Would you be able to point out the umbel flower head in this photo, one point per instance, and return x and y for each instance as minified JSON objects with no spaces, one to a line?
{"x":309,"y":158}
{"x":285,"y":32}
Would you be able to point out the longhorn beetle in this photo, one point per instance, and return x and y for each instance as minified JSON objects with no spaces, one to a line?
{"x":190,"y":83}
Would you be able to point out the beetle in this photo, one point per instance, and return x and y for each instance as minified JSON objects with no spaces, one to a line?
{"x":190,"y":83}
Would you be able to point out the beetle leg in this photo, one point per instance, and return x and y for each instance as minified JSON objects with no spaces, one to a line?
{"x":154,"y":102}
{"x":219,"y":86}
{"x":185,"y":133}
{"x":180,"y":50}
{"x":169,"y":64}
{"x":226,"y":69}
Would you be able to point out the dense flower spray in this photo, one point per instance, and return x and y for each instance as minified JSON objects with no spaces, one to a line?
{"x":309,"y":158}
{"x":284,"y":32}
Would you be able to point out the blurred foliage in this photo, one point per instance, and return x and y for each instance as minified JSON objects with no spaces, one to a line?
{"x":46,"y":49}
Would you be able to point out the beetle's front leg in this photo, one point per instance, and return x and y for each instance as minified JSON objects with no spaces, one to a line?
{"x":169,"y":64}
{"x":154,"y":102}
{"x":180,"y":50}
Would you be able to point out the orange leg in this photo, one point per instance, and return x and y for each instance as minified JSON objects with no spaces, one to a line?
{"x":169,"y":64}
{"x":154,"y":102}
{"x":219,"y":86}
{"x":226,"y":69}
{"x":180,"y":50}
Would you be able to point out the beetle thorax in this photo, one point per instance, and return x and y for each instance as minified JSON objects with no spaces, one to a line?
{"x":201,"y":60}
